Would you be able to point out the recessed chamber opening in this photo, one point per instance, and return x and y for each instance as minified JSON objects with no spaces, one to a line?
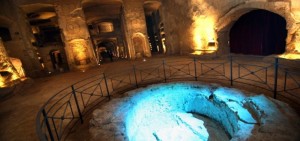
{"x":259,"y":32}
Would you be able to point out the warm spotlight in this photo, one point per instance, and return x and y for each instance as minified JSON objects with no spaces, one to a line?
{"x":79,"y":48}
{"x":204,"y":35}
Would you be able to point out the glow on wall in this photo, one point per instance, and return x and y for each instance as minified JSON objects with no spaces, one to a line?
{"x":203,"y":27}
{"x":106,"y":27}
{"x":203,"y":35}
{"x":80,"y":51}
{"x":7,"y":70}
{"x":294,"y":52}
{"x":18,"y":66}
{"x":291,"y":56}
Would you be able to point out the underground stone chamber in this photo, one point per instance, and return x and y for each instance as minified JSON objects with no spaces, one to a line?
{"x":193,"y":111}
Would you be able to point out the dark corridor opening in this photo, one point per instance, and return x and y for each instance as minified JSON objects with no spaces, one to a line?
{"x":258,"y":32}
{"x":56,"y":59}
{"x":156,"y":34}
{"x":106,"y":50}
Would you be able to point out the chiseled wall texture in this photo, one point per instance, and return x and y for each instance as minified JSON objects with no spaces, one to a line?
{"x":20,"y":46}
{"x":135,"y":26}
{"x":78,"y":46}
{"x":179,"y":19}
{"x":295,"y":38}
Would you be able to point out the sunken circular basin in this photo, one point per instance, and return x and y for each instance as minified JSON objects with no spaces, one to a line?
{"x":193,"y":111}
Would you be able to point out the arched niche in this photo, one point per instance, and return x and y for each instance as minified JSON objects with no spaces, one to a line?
{"x":139,"y":44}
{"x":258,"y":32}
{"x":226,"y":21}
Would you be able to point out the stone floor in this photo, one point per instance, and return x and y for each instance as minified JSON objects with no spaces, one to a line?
{"x":18,"y":111}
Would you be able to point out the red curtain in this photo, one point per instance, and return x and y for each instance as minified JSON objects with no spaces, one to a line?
{"x":258,"y":32}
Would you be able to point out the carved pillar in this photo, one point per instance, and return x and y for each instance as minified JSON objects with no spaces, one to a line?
{"x":78,"y":47}
{"x":136,"y":29}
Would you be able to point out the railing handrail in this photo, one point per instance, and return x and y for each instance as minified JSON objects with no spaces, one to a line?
{"x":161,"y":66}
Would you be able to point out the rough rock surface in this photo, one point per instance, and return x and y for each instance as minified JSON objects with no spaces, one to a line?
{"x":167,"y":112}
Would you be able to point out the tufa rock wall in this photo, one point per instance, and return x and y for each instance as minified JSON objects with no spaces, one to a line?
{"x":180,"y":20}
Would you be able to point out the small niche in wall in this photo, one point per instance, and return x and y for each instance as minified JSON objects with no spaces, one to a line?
{"x":5,"y":34}
{"x":105,"y":27}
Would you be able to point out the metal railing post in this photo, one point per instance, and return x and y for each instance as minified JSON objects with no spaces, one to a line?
{"x":165,"y":77}
{"x":231,"y":80}
{"x":47,"y":124}
{"x":275,"y":77}
{"x":104,"y":76}
{"x":195,"y":66}
{"x":76,"y":102}
{"x":136,"y":82}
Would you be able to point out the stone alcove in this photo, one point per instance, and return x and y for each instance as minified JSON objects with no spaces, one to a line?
{"x":139,"y":44}
{"x":258,"y":32}
{"x":226,"y":21}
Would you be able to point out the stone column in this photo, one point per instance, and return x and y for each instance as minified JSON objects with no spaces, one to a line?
{"x":79,"y":50}
{"x":136,"y":29}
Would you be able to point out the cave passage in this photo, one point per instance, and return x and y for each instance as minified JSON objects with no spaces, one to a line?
{"x":258,"y":32}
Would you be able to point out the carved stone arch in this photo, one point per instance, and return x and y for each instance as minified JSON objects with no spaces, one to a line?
{"x":226,"y":21}
{"x":235,"y":13}
{"x":139,"y":44}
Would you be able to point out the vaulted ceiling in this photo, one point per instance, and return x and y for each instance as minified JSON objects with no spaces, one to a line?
{"x":42,"y":13}
{"x":111,"y":9}
{"x":105,"y":9}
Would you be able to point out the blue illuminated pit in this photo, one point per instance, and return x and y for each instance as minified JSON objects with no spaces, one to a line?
{"x":166,"y":112}
{"x":163,"y":112}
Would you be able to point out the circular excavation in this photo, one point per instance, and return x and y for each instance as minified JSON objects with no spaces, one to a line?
{"x":192,"y":111}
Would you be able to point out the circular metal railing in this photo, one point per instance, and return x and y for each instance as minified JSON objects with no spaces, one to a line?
{"x":61,"y":111}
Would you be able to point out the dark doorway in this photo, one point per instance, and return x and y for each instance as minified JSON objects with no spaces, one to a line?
{"x":5,"y":34}
{"x":106,"y":50}
{"x":56,"y":59}
{"x":155,"y":32}
{"x":258,"y":32}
